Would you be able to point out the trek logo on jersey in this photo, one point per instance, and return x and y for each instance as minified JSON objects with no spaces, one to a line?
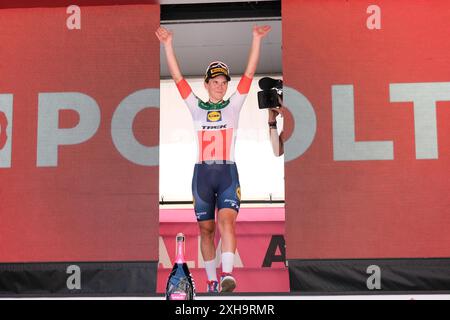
{"x":222,"y":126}
{"x":214,"y":116}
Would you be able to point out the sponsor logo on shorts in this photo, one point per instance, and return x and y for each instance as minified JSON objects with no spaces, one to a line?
{"x":238,"y":193}
{"x":233,"y":203}
{"x":200,"y":214}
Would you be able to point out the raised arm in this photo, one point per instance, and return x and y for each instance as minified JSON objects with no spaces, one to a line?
{"x":259,"y":32}
{"x":165,"y":37}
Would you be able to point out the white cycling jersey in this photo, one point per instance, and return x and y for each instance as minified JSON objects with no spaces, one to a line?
{"x":215,"y":123}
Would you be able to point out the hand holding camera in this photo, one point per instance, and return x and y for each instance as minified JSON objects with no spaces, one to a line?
{"x":271,"y":94}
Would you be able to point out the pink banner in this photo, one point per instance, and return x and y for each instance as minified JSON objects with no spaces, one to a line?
{"x":368,"y":158}
{"x":79,"y":97}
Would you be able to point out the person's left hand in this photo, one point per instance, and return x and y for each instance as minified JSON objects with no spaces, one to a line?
{"x":164,"y":36}
{"x":261,"y":31}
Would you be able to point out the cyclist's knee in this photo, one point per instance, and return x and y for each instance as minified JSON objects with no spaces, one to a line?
{"x":207,"y":228}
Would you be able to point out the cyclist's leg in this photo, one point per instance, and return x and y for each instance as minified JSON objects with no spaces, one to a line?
{"x":207,"y":233}
{"x":228,"y":202}
{"x":227,"y":227}
{"x":204,"y":206}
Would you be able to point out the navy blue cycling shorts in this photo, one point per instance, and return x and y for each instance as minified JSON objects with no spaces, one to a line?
{"x":215,"y":185}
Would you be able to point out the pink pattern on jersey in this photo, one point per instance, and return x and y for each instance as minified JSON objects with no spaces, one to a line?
{"x":184,"y":88}
{"x":215,"y":144}
{"x":244,"y":85}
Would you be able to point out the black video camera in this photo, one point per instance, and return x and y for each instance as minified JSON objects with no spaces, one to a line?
{"x":272,"y":92}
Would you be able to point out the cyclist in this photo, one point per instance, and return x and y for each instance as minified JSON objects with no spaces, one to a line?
{"x":215,"y":180}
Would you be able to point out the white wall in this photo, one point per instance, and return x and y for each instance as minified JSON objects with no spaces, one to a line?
{"x":260,"y":172}
{"x":197,"y":44}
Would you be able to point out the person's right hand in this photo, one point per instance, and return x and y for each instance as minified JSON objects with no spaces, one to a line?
{"x":274,"y":112}
{"x":164,"y":35}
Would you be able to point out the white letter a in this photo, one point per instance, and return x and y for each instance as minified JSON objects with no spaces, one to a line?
{"x":73,"y":21}
{"x":74,"y":280}
{"x":374,"y":21}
